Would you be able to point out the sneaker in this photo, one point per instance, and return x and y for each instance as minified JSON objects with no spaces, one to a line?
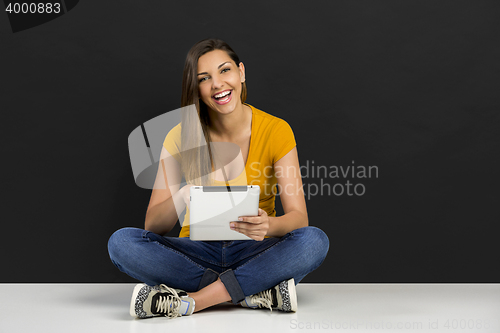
{"x":281,"y":297}
{"x":160,"y":300}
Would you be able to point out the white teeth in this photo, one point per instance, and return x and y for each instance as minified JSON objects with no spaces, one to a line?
{"x":222,"y":94}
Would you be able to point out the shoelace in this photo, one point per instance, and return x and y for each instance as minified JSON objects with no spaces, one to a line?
{"x":169,"y":304}
{"x":263,"y":299}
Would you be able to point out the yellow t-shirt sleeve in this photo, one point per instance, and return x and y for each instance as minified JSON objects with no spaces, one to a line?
{"x":283,"y":140}
{"x":172,"y":142}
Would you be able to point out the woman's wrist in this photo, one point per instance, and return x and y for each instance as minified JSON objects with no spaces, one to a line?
{"x":281,"y":225}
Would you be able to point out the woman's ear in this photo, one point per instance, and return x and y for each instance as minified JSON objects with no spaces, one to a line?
{"x":242,"y":72}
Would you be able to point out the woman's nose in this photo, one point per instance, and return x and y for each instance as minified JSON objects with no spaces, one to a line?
{"x":217,"y":82}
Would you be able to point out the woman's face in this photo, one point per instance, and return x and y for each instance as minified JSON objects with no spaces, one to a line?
{"x":219,"y":80}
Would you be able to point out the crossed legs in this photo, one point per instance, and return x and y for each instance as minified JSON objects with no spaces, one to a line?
{"x":197,"y":267}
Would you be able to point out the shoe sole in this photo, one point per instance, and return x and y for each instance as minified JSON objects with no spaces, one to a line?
{"x":137,"y":288}
{"x":293,"y":295}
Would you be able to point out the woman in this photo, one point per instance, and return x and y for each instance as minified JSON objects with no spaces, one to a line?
{"x":183,"y":276}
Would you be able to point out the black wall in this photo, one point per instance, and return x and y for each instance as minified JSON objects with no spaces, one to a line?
{"x":411,"y":87}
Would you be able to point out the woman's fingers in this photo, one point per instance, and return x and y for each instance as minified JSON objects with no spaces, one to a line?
{"x":254,"y":227}
{"x":252,"y":230}
{"x":261,"y":218}
{"x":251,"y":226}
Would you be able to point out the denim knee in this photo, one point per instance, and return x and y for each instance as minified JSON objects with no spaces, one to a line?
{"x":119,"y":241}
{"x":314,"y":245}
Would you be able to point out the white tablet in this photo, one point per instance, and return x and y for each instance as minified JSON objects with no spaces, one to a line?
{"x":212,"y":208}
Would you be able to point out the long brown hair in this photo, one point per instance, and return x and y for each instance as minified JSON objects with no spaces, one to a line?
{"x":197,"y":162}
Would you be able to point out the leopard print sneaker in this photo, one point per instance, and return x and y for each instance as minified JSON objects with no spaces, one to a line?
{"x":160,"y":300}
{"x":282,"y":297}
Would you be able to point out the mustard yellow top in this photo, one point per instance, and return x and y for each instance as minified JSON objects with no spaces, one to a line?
{"x":271,"y":139}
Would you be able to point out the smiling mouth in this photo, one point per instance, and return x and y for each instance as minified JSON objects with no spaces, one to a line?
{"x":223,"y":97}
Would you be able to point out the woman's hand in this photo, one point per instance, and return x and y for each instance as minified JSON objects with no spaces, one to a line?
{"x":255,"y":227}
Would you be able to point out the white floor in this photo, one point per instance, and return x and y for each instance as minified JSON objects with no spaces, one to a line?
{"x":93,"y":308}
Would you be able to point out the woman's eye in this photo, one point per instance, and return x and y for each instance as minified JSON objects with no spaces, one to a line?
{"x":202,"y":79}
{"x":225,"y":70}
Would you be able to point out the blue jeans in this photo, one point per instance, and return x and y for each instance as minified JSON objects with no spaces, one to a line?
{"x":245,"y":267}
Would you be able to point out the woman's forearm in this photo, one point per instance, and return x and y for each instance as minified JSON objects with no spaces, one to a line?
{"x":281,"y":225}
{"x":161,"y":218}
